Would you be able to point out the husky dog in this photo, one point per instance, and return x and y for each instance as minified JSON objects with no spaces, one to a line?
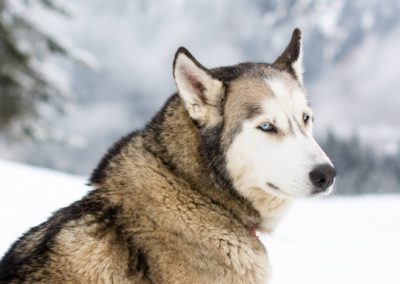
{"x":179,"y":201}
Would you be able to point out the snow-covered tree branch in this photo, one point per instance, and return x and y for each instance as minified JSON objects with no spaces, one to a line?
{"x":33,"y":85}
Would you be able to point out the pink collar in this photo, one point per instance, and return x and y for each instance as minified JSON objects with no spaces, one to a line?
{"x":253,"y":232}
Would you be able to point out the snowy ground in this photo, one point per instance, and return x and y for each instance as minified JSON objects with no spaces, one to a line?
{"x":339,"y":241}
{"x":334,"y":240}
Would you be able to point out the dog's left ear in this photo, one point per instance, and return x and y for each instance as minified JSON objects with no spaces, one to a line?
{"x":291,"y":59}
{"x":201,"y":93}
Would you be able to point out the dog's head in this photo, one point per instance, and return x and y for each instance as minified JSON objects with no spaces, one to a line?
{"x":255,"y":124}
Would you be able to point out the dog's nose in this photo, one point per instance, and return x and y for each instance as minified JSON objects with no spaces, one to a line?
{"x":322,"y":177}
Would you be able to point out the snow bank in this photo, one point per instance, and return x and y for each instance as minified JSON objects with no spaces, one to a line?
{"x":29,"y":195}
{"x":338,"y":240}
{"x":333,"y":240}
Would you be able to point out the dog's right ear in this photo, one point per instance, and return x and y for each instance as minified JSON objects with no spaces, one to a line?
{"x":200,"y":91}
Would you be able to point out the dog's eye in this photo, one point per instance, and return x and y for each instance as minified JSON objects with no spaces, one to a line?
{"x":266,"y":127}
{"x":306,"y":118}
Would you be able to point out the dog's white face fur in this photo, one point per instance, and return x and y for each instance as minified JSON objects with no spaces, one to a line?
{"x":269,"y":150}
{"x":278,"y":162}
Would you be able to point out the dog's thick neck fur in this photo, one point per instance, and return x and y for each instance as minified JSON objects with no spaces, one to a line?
{"x":199,"y":158}
{"x":173,"y":139}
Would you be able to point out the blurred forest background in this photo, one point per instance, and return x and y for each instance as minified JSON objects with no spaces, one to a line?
{"x":76,"y":75}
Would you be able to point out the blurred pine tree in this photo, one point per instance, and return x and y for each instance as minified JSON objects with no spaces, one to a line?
{"x":30,"y":85}
{"x":360,"y":168}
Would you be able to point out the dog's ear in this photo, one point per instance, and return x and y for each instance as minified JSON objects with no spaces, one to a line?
{"x":291,"y":59}
{"x":200,"y":91}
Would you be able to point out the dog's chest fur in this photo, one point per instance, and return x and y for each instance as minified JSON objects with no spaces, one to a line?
{"x":187,"y":244}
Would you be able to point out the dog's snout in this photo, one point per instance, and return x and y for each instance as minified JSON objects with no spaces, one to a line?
{"x":322,"y":177}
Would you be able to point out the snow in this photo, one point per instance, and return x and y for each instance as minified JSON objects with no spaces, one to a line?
{"x":28,"y":195}
{"x":338,"y":240}
{"x":333,"y":240}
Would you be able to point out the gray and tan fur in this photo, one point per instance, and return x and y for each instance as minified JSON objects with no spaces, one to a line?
{"x":178,"y":201}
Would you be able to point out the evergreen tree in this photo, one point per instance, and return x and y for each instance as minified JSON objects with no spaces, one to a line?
{"x":31,"y":85}
{"x":360,"y":169}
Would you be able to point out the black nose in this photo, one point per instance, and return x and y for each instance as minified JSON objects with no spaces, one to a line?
{"x":322,"y":177}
